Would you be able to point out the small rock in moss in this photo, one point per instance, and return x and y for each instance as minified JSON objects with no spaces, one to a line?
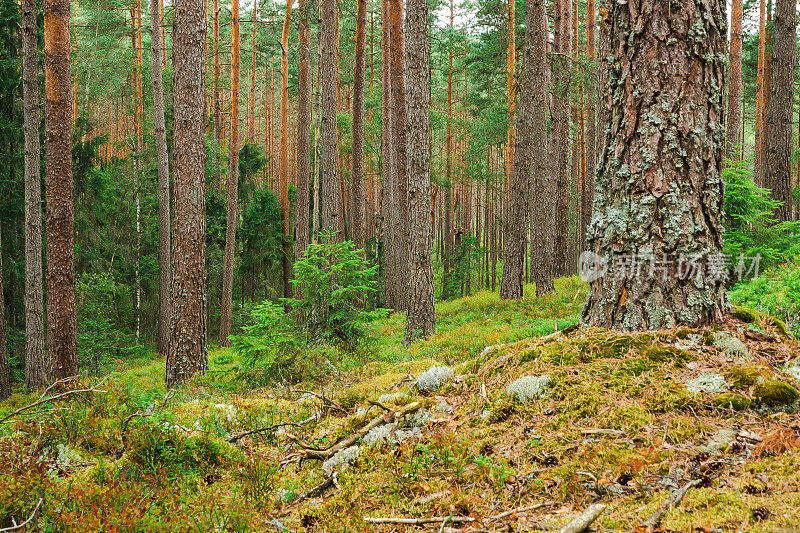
{"x":775,"y":394}
{"x":745,"y":315}
{"x":738,"y":402}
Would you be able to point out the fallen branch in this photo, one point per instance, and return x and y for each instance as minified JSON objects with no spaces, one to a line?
{"x":315,"y":453}
{"x":233,"y":439}
{"x":323,"y":398}
{"x":46,"y":400}
{"x":674,"y":500}
{"x":151,"y":410}
{"x":418,"y":521}
{"x":319,"y":490}
{"x":520,"y":510}
{"x":19,"y":526}
{"x":584,"y":520}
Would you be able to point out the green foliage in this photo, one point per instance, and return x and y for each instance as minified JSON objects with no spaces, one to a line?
{"x":776,"y":292}
{"x":750,"y":226}
{"x":329,"y":321}
{"x":466,"y":258}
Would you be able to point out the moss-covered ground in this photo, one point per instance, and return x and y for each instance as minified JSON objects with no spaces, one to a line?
{"x":625,"y":420}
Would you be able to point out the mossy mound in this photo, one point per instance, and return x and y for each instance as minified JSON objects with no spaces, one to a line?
{"x":775,"y":393}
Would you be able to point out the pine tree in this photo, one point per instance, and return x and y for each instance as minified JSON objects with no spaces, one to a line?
{"x":62,"y":342}
{"x":421,"y":319}
{"x":232,"y":186}
{"x":162,"y":161}
{"x":303,"y":136}
{"x":357,"y":202}
{"x":650,"y":205}
{"x":778,"y":144}
{"x":35,"y":362}
{"x":328,"y":30}
{"x":284,"y":170}
{"x":734,"y":114}
{"x":188,"y":352}
{"x":5,"y":369}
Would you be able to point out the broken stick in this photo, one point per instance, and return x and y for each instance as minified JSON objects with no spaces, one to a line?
{"x":418,"y":521}
{"x":673,"y":501}
{"x":584,"y":520}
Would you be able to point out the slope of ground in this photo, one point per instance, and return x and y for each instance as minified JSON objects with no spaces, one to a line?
{"x":488,"y":425}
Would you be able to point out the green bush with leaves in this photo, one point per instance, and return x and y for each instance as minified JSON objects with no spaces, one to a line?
{"x":776,"y":291}
{"x":750,"y":225}
{"x":294,"y":340}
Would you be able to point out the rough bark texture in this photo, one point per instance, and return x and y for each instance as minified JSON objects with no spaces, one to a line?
{"x":421,"y":319}
{"x":531,"y":121}
{"x":251,"y":126}
{"x":387,"y":160}
{"x":399,"y":207}
{"x":286,"y":222}
{"x":560,"y":142}
{"x":5,"y":369}
{"x":447,"y":223}
{"x":329,"y":24}
{"x":778,"y":144}
{"x":543,"y":212}
{"x":357,"y":202}
{"x":35,"y":361}
{"x":62,"y":342}
{"x":589,"y":151}
{"x":232,"y":186}
{"x":217,"y":109}
{"x":162,"y":160}
{"x":188,"y":352}
{"x":303,"y":137}
{"x":511,"y":96}
{"x":758,"y":173}
{"x":658,"y":194}
{"x":734,"y":115}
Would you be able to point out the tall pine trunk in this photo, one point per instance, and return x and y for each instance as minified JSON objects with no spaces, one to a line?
{"x":232,"y":185}
{"x":329,"y":68}
{"x":5,"y":369}
{"x":162,"y":161}
{"x":734,"y":114}
{"x":659,"y":188}
{"x":421,"y":319}
{"x":357,"y":202}
{"x":286,"y":222}
{"x":758,"y":173}
{"x":62,"y":342}
{"x":589,"y":151}
{"x":303,"y":136}
{"x":188,"y":351}
{"x":560,"y":142}
{"x":217,"y":105}
{"x":778,"y":144}
{"x":529,"y":157}
{"x":387,"y":160}
{"x":252,"y":115}
{"x":35,"y":362}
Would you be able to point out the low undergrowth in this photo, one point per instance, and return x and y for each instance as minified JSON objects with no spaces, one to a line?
{"x":512,"y":415}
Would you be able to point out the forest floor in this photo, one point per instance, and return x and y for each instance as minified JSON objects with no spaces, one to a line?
{"x":495,"y":424}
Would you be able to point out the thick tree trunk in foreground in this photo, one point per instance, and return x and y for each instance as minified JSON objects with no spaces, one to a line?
{"x":5,"y":369}
{"x":188,"y":352}
{"x":35,"y":360}
{"x":421,"y":319}
{"x":543,"y":212}
{"x":531,"y":122}
{"x":734,"y":115}
{"x":357,"y":191}
{"x":328,"y":33}
{"x":284,"y":170}
{"x":62,"y":342}
{"x":659,"y":186}
{"x":232,"y":185}
{"x":303,"y":137}
{"x":160,"y":133}
{"x":778,"y":149}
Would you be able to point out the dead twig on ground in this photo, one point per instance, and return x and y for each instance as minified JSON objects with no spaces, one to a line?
{"x":673,"y":501}
{"x":584,"y":520}
{"x":233,"y":439}
{"x":418,"y":521}
{"x":324,"y":399}
{"x":314,"y":453}
{"x":505,"y":514}
{"x":320,"y":489}
{"x":20,"y":526}
{"x":46,"y":400}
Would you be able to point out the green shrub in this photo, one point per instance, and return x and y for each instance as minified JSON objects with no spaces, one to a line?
{"x":776,"y":292}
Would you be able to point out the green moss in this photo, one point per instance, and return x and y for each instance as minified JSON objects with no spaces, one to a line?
{"x":775,"y":394}
{"x":742,"y":378}
{"x":684,"y":334}
{"x":635,"y":367}
{"x":745,"y":315}
{"x":663,"y":354}
{"x":528,"y":355}
{"x":739,"y":402}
